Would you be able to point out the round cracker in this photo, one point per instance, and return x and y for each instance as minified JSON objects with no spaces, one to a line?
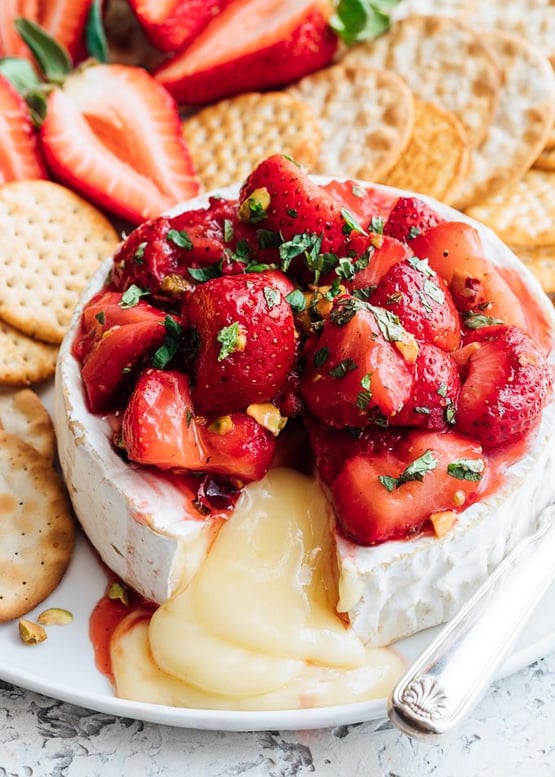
{"x":366,"y":117}
{"x":444,"y":61}
{"x":523,"y":213}
{"x":533,"y":21}
{"x":228,"y":139}
{"x":37,"y":528}
{"x":436,"y":159}
{"x":24,"y":360}
{"x":460,"y":8}
{"x":546,"y":160}
{"x":52,"y":243}
{"x":23,"y":414}
{"x":540,"y":260}
{"x":522,"y":121}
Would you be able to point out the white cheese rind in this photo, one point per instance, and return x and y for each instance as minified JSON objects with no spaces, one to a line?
{"x":142,"y":531}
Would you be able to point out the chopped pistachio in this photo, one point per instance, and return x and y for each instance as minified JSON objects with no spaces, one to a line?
{"x":268,"y":416}
{"x":31,"y":633}
{"x":407,"y":347}
{"x":55,"y":616}
{"x":221,"y":425}
{"x":443,"y":521}
{"x":118,"y":591}
{"x":253,"y":209}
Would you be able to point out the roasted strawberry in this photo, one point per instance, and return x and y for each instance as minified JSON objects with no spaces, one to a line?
{"x":435,"y":391}
{"x":368,"y":205}
{"x":369,"y":269}
{"x":113,"y":134}
{"x":422,"y":301}
{"x":391,"y":494}
{"x":279,"y":196}
{"x":20,"y":157}
{"x":455,"y":251}
{"x":507,"y":384}
{"x":172,"y":24}
{"x":109,"y":309}
{"x":246,"y":340}
{"x":159,"y":428}
{"x":355,"y":373}
{"x":410,"y":217}
{"x":251,"y":45}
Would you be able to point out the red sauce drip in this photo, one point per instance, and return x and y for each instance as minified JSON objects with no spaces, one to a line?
{"x":104,"y":620}
{"x":538,"y":323}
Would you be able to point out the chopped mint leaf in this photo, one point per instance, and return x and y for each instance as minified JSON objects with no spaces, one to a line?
{"x":477,"y":320}
{"x":163,"y":355}
{"x":138,"y":256}
{"x":377,"y":224}
{"x":180,"y":238}
{"x":414,"y":472}
{"x":320,"y":357}
{"x":231,"y":339}
{"x":272,"y":297}
{"x":296,"y":299}
{"x":342,"y":368}
{"x":203,"y":274}
{"x":466,"y":469}
{"x":351,"y":224}
{"x":132,"y":295}
{"x":228,"y":230}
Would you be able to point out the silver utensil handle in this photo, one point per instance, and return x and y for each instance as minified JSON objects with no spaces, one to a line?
{"x":450,"y":676}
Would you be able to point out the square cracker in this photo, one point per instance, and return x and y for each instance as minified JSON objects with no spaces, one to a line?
{"x":366,"y":116}
{"x":52,"y":243}
{"x":444,"y":61}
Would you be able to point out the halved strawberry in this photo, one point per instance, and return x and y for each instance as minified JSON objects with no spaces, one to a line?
{"x":106,"y":124}
{"x":159,"y":428}
{"x":435,"y":391}
{"x":19,"y":152}
{"x":421,"y":299}
{"x":247,"y":341}
{"x":172,"y":24}
{"x":251,"y":45}
{"x":11,"y":44}
{"x":455,"y":251}
{"x":507,"y":384}
{"x":355,"y":374}
{"x":368,"y":205}
{"x":391,"y":494}
{"x":410,"y":217}
{"x":65,"y":21}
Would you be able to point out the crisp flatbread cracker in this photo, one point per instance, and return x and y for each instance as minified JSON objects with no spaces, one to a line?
{"x":522,"y":214}
{"x":228,"y":139}
{"x":522,"y":121}
{"x":436,"y":159}
{"x":24,"y":360}
{"x":366,"y":117}
{"x":540,"y":260}
{"x":22,"y":413}
{"x":444,"y":61}
{"x":36,"y":525}
{"x":52,"y":243}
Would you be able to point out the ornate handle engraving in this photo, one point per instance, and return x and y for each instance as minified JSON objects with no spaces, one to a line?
{"x":425,"y":697}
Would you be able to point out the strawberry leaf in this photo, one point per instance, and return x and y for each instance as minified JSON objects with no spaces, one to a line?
{"x":358,"y":20}
{"x":52,"y":58}
{"x":95,"y":38}
{"x":20,"y":73}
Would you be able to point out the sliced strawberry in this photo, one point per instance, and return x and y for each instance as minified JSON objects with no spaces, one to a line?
{"x":455,"y":251}
{"x":11,"y":44}
{"x":65,"y":21}
{"x":247,"y":342}
{"x":159,"y":429}
{"x":354,"y":375}
{"x":370,"y":206}
{"x":106,"y":310}
{"x":107,"y":123}
{"x":172,"y":24}
{"x":435,"y":391}
{"x":19,"y":152}
{"x":409,"y":218}
{"x":251,"y":45}
{"x":391,"y":494}
{"x":421,"y":299}
{"x":383,"y":253}
{"x":508,"y":383}
{"x":112,"y":361}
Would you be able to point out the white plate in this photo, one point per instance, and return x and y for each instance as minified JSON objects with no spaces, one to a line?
{"x":64,"y":667}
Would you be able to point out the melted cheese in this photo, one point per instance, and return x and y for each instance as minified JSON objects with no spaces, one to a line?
{"x":257,"y":627}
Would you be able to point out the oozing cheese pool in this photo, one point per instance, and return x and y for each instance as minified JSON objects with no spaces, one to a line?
{"x":257,"y":628}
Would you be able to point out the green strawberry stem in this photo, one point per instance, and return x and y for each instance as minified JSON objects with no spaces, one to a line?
{"x":359,"y":20}
{"x":95,"y":38}
{"x":52,"y":58}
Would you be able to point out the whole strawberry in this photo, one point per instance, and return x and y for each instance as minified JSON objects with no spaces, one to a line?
{"x":246,"y":341}
{"x":507,"y":385}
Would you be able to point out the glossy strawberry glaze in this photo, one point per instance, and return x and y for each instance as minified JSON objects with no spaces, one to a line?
{"x":538,"y":324}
